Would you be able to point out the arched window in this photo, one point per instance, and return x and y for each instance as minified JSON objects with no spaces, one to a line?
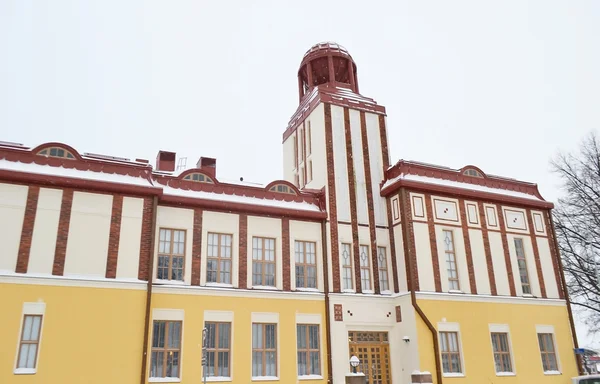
{"x":472,"y":172}
{"x":56,"y":152}
{"x":199,"y":178}
{"x":282,"y":188}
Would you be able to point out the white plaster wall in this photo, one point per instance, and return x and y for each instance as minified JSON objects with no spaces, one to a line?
{"x":342,"y":189}
{"x":45,"y":229}
{"x":288,"y":158}
{"x":482,"y":279}
{"x":306,"y":231}
{"x":269,"y":228}
{"x":531,"y":267}
{"x":400,"y":259}
{"x":345,"y":236}
{"x":89,"y":229}
{"x":460,"y":254}
{"x":359,"y":168}
{"x":13,"y":199}
{"x":370,"y":314}
{"x":547,"y":268}
{"x":376,"y":167}
{"x":128,"y":258}
{"x":319,"y":154}
{"x":500,"y":274}
{"x":424,"y":262}
{"x":217,"y":222}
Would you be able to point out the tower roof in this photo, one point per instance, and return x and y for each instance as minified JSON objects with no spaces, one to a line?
{"x":325,"y":49}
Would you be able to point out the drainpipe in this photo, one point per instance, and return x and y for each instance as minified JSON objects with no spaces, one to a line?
{"x":413,"y":296}
{"x":565,"y":292}
{"x":326,"y":289}
{"x":149,"y":293}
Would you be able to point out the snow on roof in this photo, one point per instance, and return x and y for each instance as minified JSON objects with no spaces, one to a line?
{"x":458,"y":184}
{"x":303,"y":206}
{"x":72,"y":173}
{"x":240,"y":182}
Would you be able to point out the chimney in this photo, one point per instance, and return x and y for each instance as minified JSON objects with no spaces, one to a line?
{"x":208,"y":165}
{"x":165,"y":161}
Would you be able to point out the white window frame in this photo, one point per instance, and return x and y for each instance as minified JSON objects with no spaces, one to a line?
{"x":453,"y":327}
{"x":271,"y":318}
{"x":310,"y":319}
{"x":221,"y":317}
{"x":30,"y":309}
{"x":342,"y":267}
{"x":548,"y":329}
{"x":503,"y":328}
{"x":167,"y":315}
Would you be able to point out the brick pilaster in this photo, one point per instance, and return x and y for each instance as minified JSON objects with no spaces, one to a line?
{"x":536,"y":253}
{"x":509,"y":271}
{"x":409,"y":240}
{"x":487,"y":249}
{"x":384,"y":144}
{"x":62,"y":235}
{"x":467,"y":240}
{"x":555,"y":253}
{"x":197,"y":247}
{"x":114,"y":236}
{"x":435,"y":261}
{"x":243,"y":252}
{"x":146,"y":251}
{"x":27,"y":231}
{"x":285,"y":256}
{"x":332,"y":203}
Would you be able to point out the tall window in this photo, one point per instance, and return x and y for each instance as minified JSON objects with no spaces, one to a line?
{"x":384,"y":284}
{"x":453,"y":283}
{"x":218,"y":263}
{"x":30,"y":340}
{"x":309,"y":361}
{"x":166,"y":349}
{"x":263,"y":261}
{"x":450,"y":352}
{"x":365,"y":268}
{"x":171,"y":254}
{"x":264,"y":350}
{"x":522,"y":263}
{"x":501,"y":348}
{"x":306,"y":265}
{"x":546,"y":341}
{"x":218,"y":349}
{"x":347,"y":266}
{"x":308,"y":139}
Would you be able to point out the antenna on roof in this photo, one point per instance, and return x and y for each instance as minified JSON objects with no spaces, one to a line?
{"x":181,"y":163}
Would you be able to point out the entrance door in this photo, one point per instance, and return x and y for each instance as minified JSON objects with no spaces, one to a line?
{"x":373,"y":351}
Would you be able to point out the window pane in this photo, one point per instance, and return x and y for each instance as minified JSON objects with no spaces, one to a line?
{"x":315,"y":365}
{"x":271,"y":364}
{"x":158,"y":334}
{"x":156,"y":369}
{"x":257,"y":336}
{"x":314,"y":337}
{"x":302,"y":368}
{"x":23,"y":354}
{"x":301,"y":336}
{"x":223,"y":364}
{"x":270,"y":336}
{"x":257,"y":367}
{"x":27,"y":328}
{"x":224,"y":332}
{"x":172,"y":364}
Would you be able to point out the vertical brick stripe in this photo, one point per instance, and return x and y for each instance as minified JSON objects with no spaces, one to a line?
{"x":555,"y":253}
{"x":509,"y":272}
{"x":243,"y":252}
{"x":62,"y":235}
{"x":197,"y":247}
{"x":487,"y":249}
{"x":409,"y":240}
{"x":285,"y":246}
{"x":384,"y":143}
{"x":370,"y":206}
{"x":536,"y":254}
{"x":435,"y":261}
{"x":114,"y":236}
{"x":467,"y":240}
{"x":352,"y":189}
{"x":305,"y":171}
{"x":145,"y":239}
{"x":332,"y":204}
{"x":392,"y":245}
{"x":27,"y":230}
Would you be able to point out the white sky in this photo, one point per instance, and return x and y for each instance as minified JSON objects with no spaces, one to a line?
{"x":501,"y":85}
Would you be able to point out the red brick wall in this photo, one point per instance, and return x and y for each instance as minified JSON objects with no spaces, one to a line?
{"x":63,"y":232}
{"x":536,"y":253}
{"x":243,"y":252}
{"x":114,"y":236}
{"x":197,"y":247}
{"x":285,"y":244}
{"x":509,"y":272}
{"x":409,"y":241}
{"x":27,"y":231}
{"x":433,"y":243}
{"x":488,"y":250}
{"x":555,"y":253}
{"x":384,"y":143}
{"x":332,"y":204}
{"x":467,"y":240}
{"x":146,"y":252}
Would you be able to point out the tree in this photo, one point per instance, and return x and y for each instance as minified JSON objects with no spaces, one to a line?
{"x":577,"y":221}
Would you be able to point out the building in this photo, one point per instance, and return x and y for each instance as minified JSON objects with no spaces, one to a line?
{"x":111,"y":268}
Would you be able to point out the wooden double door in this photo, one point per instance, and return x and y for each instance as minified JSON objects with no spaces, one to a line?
{"x":373,"y":351}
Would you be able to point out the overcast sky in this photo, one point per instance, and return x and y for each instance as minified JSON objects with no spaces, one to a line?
{"x":502,"y":85}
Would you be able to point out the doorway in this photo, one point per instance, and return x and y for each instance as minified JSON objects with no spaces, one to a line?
{"x":373,"y":351}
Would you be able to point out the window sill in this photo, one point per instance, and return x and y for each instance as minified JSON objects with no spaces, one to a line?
{"x":368,"y":291}
{"x":310,"y":377}
{"x":218,"y":378}
{"x":265,"y":287}
{"x":265,"y":378}
{"x":169,"y":282}
{"x":164,"y":380}
{"x":219,"y":285}
{"x":456,"y":291}
{"x":307,"y":289}
{"x":506,"y":374}
{"x":529,"y":295}
{"x":386,"y":293}
{"x":454,"y":375}
{"x":552,"y":373}
{"x":25,"y":371}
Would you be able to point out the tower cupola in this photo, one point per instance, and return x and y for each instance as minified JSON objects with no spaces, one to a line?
{"x":327,"y":64}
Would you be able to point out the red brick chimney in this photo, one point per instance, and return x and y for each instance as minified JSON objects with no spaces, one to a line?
{"x":165,"y":161}
{"x":208,"y":165}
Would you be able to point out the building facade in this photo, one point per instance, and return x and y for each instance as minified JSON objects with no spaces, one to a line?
{"x":110,"y":268}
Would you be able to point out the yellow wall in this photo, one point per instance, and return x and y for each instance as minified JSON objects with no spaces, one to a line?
{"x":89,"y":335}
{"x":241,"y":362}
{"x":474,"y":319}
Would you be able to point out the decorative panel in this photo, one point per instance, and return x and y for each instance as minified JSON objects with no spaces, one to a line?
{"x":395,"y":209}
{"x":338,"y":312}
{"x":418,"y":206}
{"x":538,"y":223}
{"x":398,"y":314}
{"x":491,"y":217}
{"x":515,"y":219}
{"x":472,"y":213}
{"x":446,"y":210}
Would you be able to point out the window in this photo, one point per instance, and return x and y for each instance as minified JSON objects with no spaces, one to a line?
{"x":199,"y":178}
{"x":522,"y":263}
{"x":453,"y":283}
{"x":306,"y":265}
{"x":347,"y":279}
{"x":171,"y":254}
{"x":30,"y":341}
{"x":450,"y":352}
{"x":549,"y":362}
{"x":502,"y":359}
{"x":295,"y":138}
{"x":282,"y":188}
{"x":166,"y":349}
{"x":264,"y":350}
{"x":307,"y":342}
{"x":218,"y":348}
{"x":263,"y":261}
{"x":472,"y":172}
{"x":308,"y":140}
{"x":57,"y":152}
{"x":384,"y":284}
{"x":218,"y":263}
{"x":365,"y":268}
{"x":309,"y":172}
